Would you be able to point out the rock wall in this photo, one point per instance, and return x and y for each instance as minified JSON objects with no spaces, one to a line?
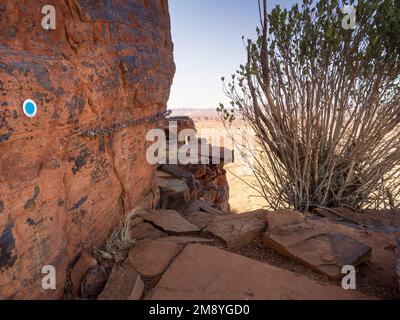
{"x":61,"y":193}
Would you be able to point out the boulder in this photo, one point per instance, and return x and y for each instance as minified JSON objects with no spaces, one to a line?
{"x":238,"y":230}
{"x":312,"y":244}
{"x":168,"y":220}
{"x":151,"y":257}
{"x":123,"y":284}
{"x":208,"y":273}
{"x":79,"y":270}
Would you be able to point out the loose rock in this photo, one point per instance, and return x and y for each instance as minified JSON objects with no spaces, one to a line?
{"x":292,"y":235}
{"x":201,"y":219}
{"x":151,"y":257}
{"x":123,"y":284}
{"x":238,"y":230}
{"x":169,"y":221}
{"x":146,"y":231}
{"x":93,"y":282}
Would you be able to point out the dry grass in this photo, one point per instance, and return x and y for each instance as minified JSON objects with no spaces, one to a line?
{"x":120,"y":241}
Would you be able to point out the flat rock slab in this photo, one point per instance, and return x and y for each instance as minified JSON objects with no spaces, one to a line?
{"x":168,"y":220}
{"x":238,"y":230}
{"x":151,"y":257}
{"x":381,"y":267}
{"x":201,"y":219}
{"x":208,"y":273}
{"x":146,"y":231}
{"x":123,"y":284}
{"x":312,"y":244}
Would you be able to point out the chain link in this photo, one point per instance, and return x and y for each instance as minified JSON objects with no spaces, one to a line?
{"x":134,"y":122}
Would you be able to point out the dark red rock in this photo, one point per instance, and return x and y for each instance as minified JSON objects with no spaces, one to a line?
{"x":169,"y":221}
{"x":93,"y":282}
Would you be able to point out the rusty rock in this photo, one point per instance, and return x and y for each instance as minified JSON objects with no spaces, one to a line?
{"x":106,"y":62}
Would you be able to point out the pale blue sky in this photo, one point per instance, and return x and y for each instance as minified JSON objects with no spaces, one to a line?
{"x":207,"y":36}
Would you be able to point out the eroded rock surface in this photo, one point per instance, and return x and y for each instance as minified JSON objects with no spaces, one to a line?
{"x":60,"y":193}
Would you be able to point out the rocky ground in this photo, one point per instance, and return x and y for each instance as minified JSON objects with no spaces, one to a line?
{"x":191,"y":246}
{"x":240,"y":257}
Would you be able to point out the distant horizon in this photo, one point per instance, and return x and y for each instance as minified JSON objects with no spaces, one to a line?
{"x":207,"y":37}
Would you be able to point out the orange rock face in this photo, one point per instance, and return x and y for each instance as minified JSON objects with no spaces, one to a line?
{"x":61,"y":193}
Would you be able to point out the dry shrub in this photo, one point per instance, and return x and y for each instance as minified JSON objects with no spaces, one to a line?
{"x":324,"y":103}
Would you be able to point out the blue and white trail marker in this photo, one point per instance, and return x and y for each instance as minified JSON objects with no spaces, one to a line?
{"x":29,"y":108}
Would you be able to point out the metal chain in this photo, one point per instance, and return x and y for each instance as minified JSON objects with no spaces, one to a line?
{"x":134,"y":122}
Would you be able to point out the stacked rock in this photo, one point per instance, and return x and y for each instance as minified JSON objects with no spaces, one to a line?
{"x":202,"y":177}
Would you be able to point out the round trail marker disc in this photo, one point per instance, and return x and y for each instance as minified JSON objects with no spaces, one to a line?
{"x":29,"y":108}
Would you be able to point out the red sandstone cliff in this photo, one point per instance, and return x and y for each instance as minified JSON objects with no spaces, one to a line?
{"x":60,"y":193}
